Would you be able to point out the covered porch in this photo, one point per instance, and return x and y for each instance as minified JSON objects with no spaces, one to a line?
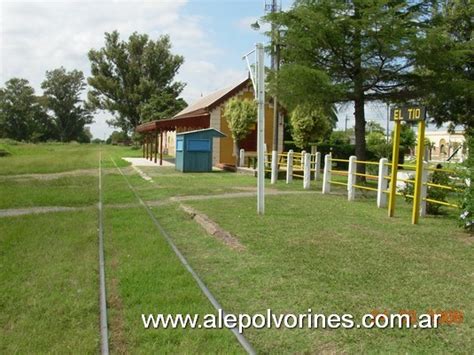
{"x":153,"y":133}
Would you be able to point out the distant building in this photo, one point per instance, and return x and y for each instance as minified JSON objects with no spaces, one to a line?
{"x":207,"y":112}
{"x":445,"y":144}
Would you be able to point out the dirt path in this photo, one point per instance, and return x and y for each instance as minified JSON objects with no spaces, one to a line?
{"x":12,"y":212}
{"x":51,"y":176}
{"x":268,"y":192}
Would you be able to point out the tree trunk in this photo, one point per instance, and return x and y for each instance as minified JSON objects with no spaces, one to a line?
{"x":237,"y":154}
{"x":359,"y":98}
{"x":360,"y":148}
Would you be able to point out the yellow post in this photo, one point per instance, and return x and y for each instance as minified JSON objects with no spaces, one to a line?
{"x":393,"y":176}
{"x":419,"y":171}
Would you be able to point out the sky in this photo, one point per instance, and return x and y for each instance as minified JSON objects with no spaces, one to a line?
{"x":212,"y":35}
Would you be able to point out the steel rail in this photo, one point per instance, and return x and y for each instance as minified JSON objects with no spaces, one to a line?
{"x":104,"y":331}
{"x":241,"y":339}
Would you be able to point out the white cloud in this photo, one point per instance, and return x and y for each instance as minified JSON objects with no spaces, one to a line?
{"x":36,"y":36}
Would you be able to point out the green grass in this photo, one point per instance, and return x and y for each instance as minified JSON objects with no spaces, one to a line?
{"x":65,"y":191}
{"x":308,"y":251}
{"x":144,"y":276}
{"x":56,"y":157}
{"x":303,"y":254}
{"x":48,"y":283}
{"x":49,"y":268}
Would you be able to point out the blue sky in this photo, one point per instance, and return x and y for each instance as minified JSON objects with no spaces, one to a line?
{"x":212,"y":35}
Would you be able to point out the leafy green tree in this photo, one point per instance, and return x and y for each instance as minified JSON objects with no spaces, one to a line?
{"x":377,"y":144}
{"x":372,"y":127}
{"x":309,"y":124}
{"x":348,"y":51}
{"x":117,"y":138}
{"x":240,"y":114}
{"x":22,"y":116}
{"x":445,"y":60}
{"x":340,"y":137}
{"x":407,"y":141}
{"x":407,"y":137}
{"x":63,"y":90}
{"x":134,"y":80}
{"x":85,"y":136}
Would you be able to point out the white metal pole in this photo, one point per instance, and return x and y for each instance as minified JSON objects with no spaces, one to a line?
{"x":260,"y":129}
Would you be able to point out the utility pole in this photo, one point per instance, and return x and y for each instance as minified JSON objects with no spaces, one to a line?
{"x":345,"y":123}
{"x":274,"y":7}
{"x":257,"y":75}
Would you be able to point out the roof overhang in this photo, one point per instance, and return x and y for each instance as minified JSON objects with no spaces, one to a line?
{"x":171,"y":124}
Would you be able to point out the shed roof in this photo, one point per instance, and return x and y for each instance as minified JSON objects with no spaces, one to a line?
{"x":212,"y":131}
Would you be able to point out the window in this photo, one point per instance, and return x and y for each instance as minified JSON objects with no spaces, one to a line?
{"x":179,"y":145}
{"x":199,"y":145}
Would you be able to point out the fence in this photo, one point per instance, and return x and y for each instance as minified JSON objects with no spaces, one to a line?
{"x":308,"y":167}
{"x":383,"y":180}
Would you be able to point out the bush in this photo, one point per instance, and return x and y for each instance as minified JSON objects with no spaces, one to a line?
{"x":467,"y":195}
{"x":8,"y":141}
{"x":378,"y":146}
{"x":119,"y":138}
{"x":4,"y":152}
{"x":434,"y":193}
{"x":339,"y":151}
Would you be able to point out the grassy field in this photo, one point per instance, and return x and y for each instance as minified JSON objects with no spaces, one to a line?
{"x":48,"y":277}
{"x":55,"y":157}
{"x":308,"y":251}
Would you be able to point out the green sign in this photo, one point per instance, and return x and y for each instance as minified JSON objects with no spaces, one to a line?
{"x":408,"y":113}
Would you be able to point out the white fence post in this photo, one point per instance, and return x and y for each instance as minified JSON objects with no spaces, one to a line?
{"x":382,"y":185}
{"x":303,"y":152}
{"x":242,"y":157}
{"x":351,"y":178}
{"x":327,"y":174}
{"x":424,"y":189}
{"x":274,"y":176}
{"x":307,"y":171}
{"x":289,"y":167}
{"x":317,"y":166}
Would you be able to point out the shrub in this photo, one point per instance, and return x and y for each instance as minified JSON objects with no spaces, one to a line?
{"x":434,"y":193}
{"x":467,"y":195}
{"x":4,"y":152}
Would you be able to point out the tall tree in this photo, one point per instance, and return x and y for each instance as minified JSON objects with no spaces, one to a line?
{"x":348,"y":51}
{"x":63,"y":90}
{"x":135,"y":80}
{"x":309,"y":124}
{"x":21,"y":115}
{"x":240,"y":115}
{"x":445,"y":60}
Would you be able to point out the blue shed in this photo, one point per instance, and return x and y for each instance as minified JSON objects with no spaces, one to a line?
{"x":194,"y":149}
